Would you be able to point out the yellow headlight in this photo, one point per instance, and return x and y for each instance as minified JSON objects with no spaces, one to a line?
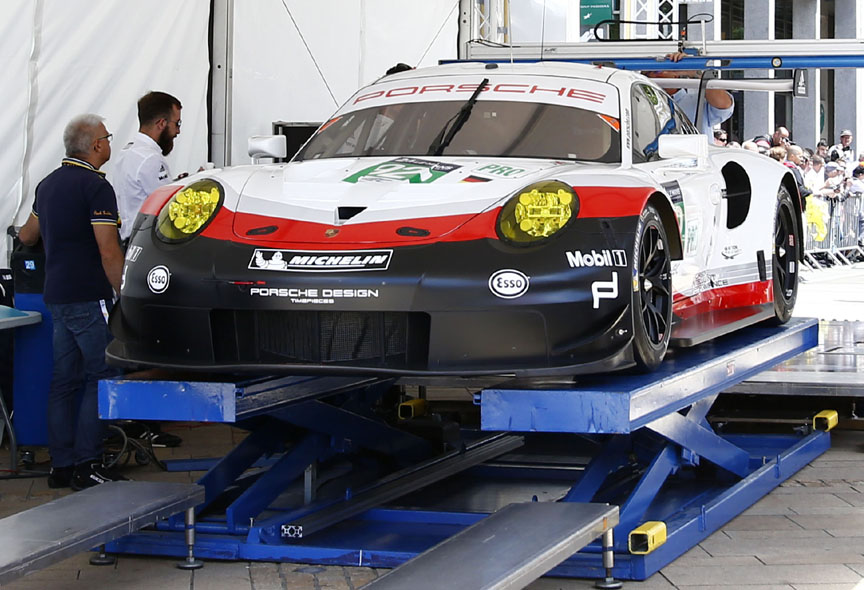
{"x":189,"y":210}
{"x":537,"y":212}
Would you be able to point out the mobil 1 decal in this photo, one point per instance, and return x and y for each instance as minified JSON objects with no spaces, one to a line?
{"x":413,"y":170}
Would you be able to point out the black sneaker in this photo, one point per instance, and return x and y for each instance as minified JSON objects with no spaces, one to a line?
{"x":60,"y":477}
{"x":92,"y":474}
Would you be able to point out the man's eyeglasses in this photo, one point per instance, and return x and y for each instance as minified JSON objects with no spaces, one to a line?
{"x":723,"y":139}
{"x":109,"y":137}
{"x":178,"y":122}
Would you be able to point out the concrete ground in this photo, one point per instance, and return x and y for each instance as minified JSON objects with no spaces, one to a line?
{"x":806,"y":534}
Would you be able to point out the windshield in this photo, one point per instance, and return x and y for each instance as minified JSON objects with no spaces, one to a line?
{"x":495,"y":128}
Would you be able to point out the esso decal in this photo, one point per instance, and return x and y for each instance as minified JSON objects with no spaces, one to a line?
{"x":158,"y":278}
{"x":508,"y":283}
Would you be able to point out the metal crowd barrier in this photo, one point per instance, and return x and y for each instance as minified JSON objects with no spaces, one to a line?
{"x":832,"y":229}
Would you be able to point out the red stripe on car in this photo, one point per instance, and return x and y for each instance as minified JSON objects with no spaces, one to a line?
{"x":742,"y":295}
{"x":153,"y":204}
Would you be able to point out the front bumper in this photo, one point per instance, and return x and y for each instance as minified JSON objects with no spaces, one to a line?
{"x":430,"y":312}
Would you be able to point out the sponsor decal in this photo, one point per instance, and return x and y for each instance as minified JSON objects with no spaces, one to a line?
{"x":29,"y":265}
{"x":503,"y":171}
{"x":603,"y":258}
{"x":508,"y":283}
{"x":123,"y":278}
{"x":503,"y":88}
{"x":604,"y":290}
{"x":730,"y":252}
{"x":412,"y":170}
{"x":331,"y":233}
{"x":313,"y":296}
{"x":133,"y":252}
{"x":158,"y":279}
{"x":328,"y":261}
{"x":473,"y":178}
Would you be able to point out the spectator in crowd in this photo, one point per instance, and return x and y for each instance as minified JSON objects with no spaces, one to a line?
{"x":75,"y":214}
{"x":762,"y":145}
{"x":720,"y":137}
{"x":814,"y":179}
{"x":843,"y":150}
{"x":834,"y":181}
{"x":857,"y":185}
{"x":750,"y":145}
{"x":777,"y":153}
{"x":794,"y":161}
{"x":822,"y":149}
{"x":780,"y":137}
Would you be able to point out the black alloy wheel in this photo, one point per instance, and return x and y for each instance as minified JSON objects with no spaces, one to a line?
{"x":652,"y":291}
{"x":784,"y":271}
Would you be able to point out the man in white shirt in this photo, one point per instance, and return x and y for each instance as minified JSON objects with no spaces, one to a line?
{"x":141,"y":166}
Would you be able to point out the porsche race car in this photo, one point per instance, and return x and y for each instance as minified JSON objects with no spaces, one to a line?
{"x":466,"y":219}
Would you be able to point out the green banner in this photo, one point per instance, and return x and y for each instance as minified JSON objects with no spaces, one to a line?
{"x":592,"y":12}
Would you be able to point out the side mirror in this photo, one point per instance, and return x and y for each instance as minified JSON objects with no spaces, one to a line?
{"x":267,"y":146}
{"x":683,"y":146}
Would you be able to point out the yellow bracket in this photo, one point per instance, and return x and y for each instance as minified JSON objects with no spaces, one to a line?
{"x":825,"y":420}
{"x":413,"y":408}
{"x":647,"y":537}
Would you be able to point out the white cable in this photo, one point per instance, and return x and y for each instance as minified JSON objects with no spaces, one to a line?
{"x":309,"y":51}
{"x":438,"y":34}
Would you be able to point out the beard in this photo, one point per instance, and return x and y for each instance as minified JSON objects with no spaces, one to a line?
{"x":166,"y":142}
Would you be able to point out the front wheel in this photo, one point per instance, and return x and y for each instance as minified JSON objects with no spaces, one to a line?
{"x":652,"y":291}
{"x":784,"y":267}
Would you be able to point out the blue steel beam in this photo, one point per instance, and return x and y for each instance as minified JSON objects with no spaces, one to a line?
{"x":714,"y":62}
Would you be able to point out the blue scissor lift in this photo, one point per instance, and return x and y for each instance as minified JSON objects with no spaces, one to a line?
{"x":323,"y":478}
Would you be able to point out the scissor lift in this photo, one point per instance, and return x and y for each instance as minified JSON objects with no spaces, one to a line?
{"x":323,"y":478}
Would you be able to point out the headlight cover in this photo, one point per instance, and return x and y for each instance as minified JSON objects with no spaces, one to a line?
{"x":188,"y":212}
{"x":537,"y":212}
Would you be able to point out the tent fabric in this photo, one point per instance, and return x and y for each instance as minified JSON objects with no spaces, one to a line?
{"x":299,"y":61}
{"x":61,"y":58}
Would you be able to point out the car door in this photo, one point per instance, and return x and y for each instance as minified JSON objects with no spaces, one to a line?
{"x":694,"y":188}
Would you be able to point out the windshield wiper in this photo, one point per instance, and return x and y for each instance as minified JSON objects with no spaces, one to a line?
{"x":441,"y":140}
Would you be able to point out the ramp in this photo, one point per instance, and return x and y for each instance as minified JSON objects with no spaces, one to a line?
{"x":49,"y":533}
{"x":509,"y":549}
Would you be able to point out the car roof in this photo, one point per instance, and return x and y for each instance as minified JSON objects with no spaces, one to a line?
{"x":542,"y":68}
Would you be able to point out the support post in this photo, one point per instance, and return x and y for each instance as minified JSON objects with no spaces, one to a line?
{"x":190,"y":563}
{"x":609,"y":582}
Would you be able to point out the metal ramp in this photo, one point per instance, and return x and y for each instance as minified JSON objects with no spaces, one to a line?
{"x":509,"y":549}
{"x":49,"y":533}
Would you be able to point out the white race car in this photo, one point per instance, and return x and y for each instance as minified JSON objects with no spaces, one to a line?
{"x":466,"y":219}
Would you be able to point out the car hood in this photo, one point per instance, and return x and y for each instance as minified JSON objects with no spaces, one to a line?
{"x":312,"y":201}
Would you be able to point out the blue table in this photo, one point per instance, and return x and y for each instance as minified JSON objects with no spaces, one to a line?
{"x":13,"y":318}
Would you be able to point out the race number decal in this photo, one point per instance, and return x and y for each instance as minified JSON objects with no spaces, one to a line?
{"x":413,"y":170}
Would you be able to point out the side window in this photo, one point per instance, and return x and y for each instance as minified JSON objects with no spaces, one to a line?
{"x":646,"y":126}
{"x":683,"y":125}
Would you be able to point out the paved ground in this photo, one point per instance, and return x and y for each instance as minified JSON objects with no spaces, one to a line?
{"x":807,"y":534}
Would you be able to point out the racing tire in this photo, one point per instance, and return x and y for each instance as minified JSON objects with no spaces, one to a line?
{"x":785,"y":256}
{"x":652,"y":291}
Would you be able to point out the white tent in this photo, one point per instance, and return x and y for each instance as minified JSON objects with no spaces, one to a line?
{"x":289,"y":60}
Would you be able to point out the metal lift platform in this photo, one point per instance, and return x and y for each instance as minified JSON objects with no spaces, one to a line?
{"x":327,"y":477}
{"x":46,"y":534}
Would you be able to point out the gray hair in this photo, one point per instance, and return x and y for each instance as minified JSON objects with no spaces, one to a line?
{"x":80,"y":133}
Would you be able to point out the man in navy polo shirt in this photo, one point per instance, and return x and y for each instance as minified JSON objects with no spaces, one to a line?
{"x":75,"y":212}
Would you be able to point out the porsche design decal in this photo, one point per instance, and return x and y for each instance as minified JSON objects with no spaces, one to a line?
{"x":314,"y":296}
{"x":413,"y":170}
{"x":133,"y":253}
{"x":327,"y":261}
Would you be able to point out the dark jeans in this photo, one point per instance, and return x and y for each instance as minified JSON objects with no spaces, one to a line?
{"x":75,"y":432}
